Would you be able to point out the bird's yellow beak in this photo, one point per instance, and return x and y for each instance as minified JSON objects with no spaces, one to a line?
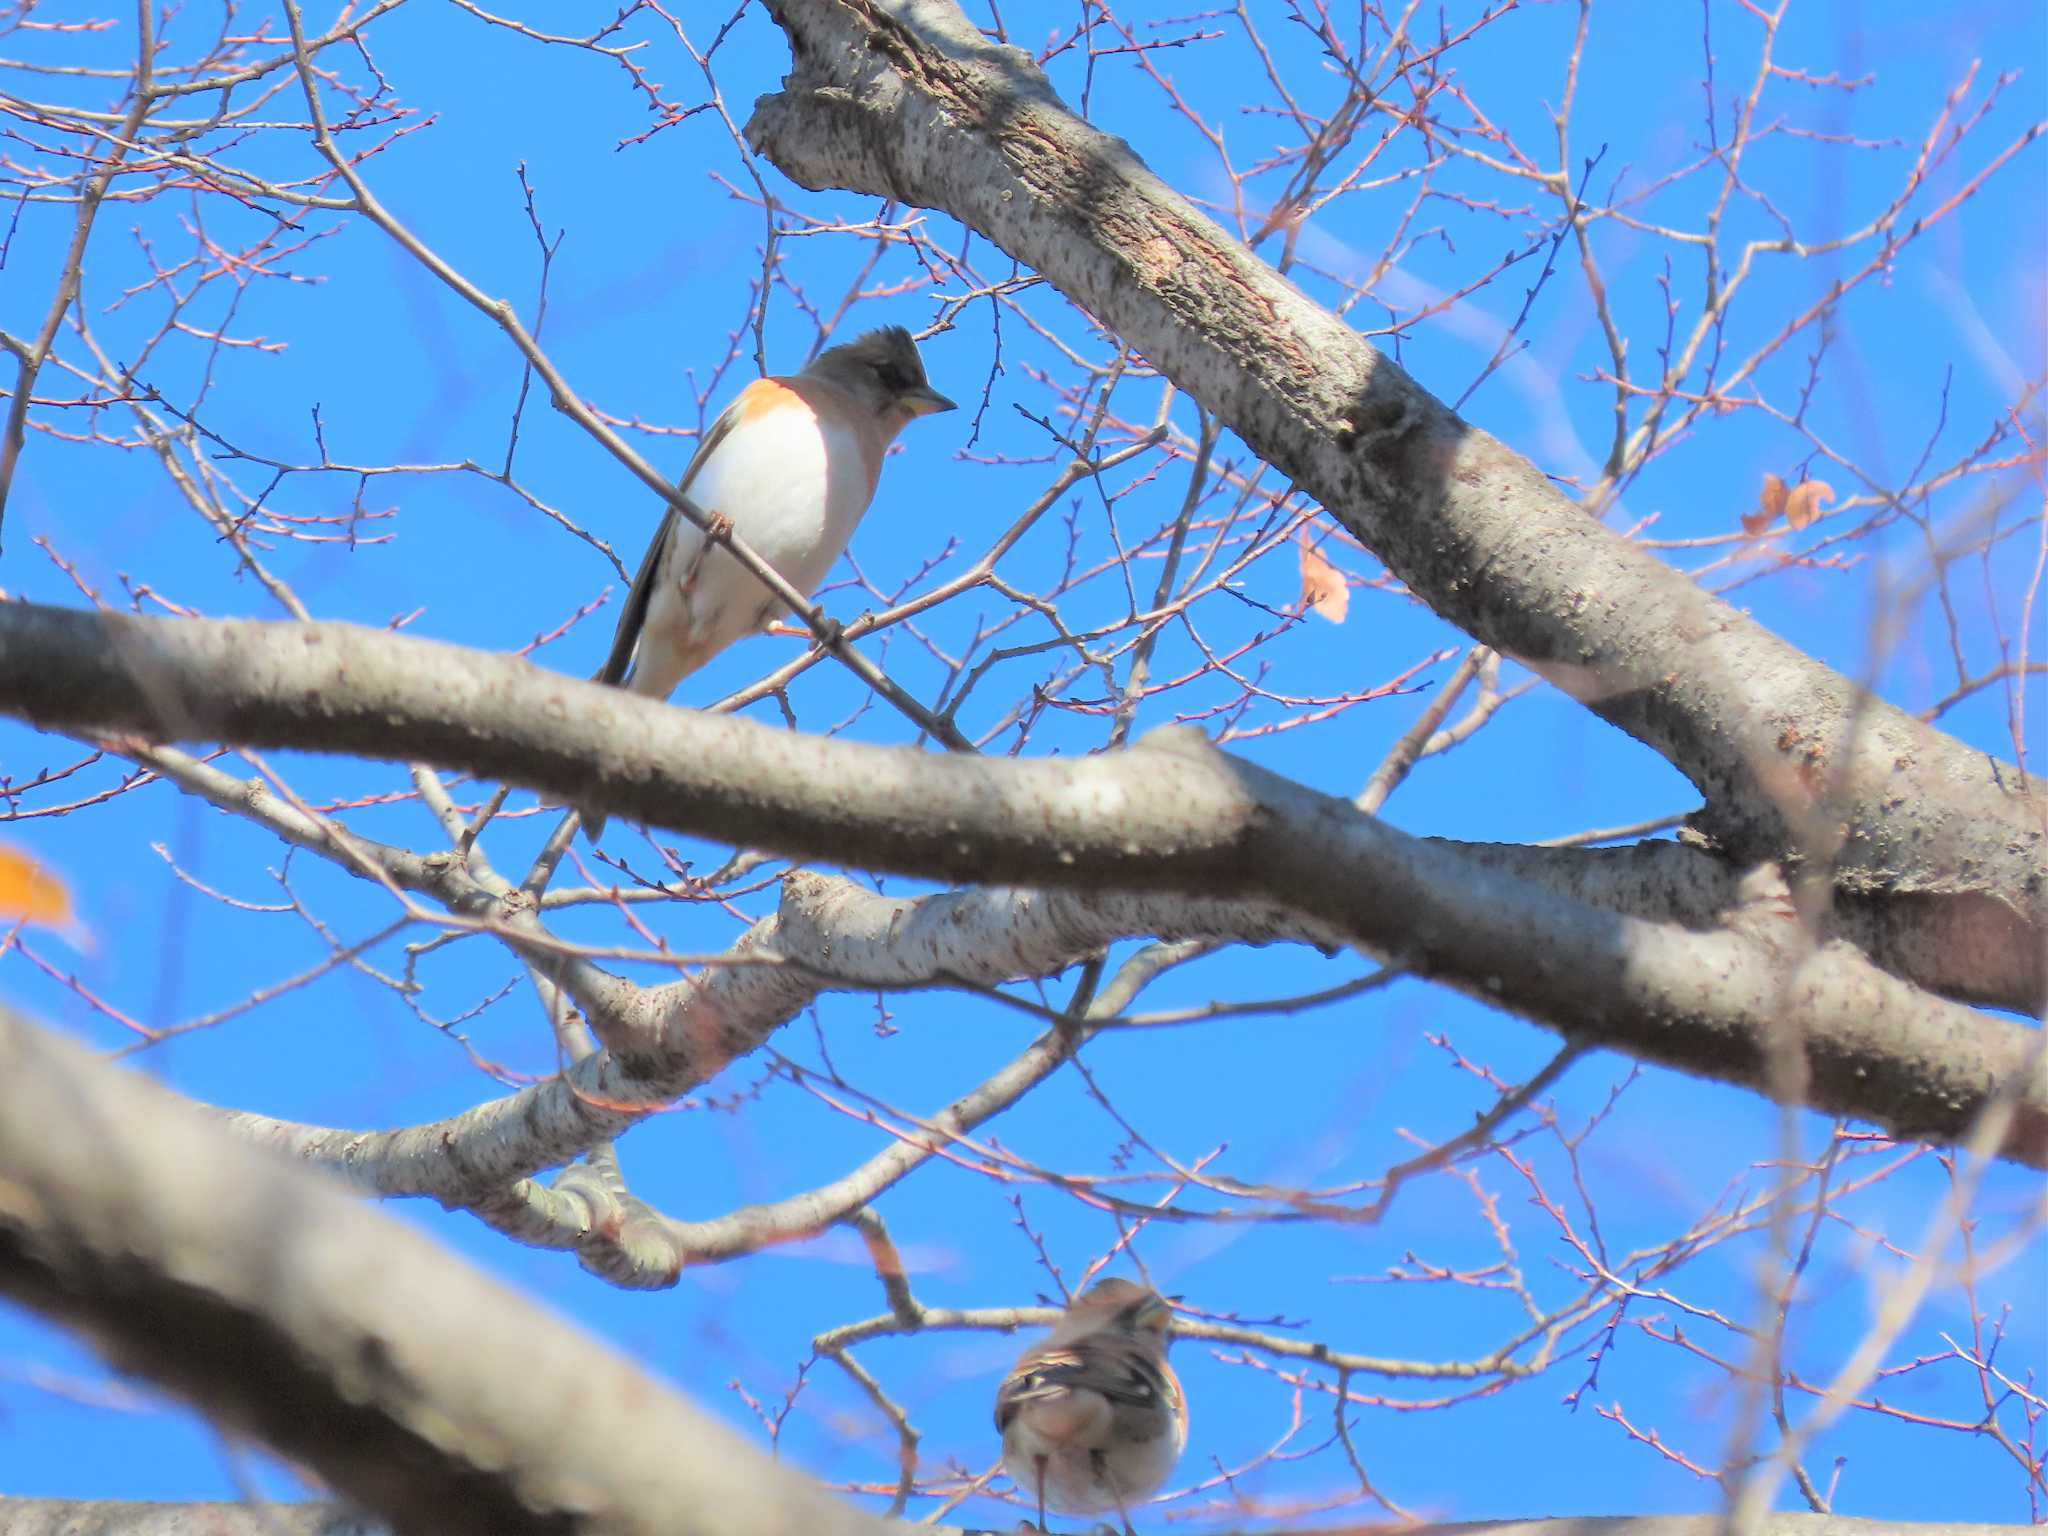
{"x":926,"y":401}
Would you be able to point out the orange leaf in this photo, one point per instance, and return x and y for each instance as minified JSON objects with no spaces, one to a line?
{"x":1770,"y":506}
{"x":30,"y":893}
{"x":1323,"y":587}
{"x":1803,"y":505}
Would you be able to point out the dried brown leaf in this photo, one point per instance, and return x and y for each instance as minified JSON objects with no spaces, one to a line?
{"x":1803,"y":505}
{"x":1770,"y":506}
{"x":1323,"y":587}
{"x":30,"y":893}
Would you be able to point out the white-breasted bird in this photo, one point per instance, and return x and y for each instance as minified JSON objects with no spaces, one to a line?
{"x":792,"y":463}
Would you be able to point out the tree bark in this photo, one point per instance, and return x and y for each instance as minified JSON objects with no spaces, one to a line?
{"x":1173,"y":815}
{"x":905,"y":99}
{"x":285,"y":1309}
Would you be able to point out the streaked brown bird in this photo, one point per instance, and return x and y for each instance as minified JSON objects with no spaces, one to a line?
{"x":1093,"y":1418}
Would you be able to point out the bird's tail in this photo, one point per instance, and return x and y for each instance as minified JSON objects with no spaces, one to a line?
{"x":612,"y":675}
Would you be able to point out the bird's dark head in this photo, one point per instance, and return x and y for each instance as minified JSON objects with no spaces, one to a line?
{"x":883,"y":371}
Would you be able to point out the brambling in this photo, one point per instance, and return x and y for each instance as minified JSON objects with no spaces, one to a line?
{"x":792,"y":464}
{"x":1093,"y":1418}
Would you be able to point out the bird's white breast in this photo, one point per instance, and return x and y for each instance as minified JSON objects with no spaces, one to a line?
{"x":794,"y":487}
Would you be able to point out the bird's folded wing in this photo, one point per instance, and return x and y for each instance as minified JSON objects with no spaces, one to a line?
{"x":1040,"y":1374}
{"x":1125,"y":1377}
{"x":633,"y":616}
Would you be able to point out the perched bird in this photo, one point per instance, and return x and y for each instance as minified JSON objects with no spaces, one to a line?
{"x":1093,"y":1418}
{"x":792,"y":464}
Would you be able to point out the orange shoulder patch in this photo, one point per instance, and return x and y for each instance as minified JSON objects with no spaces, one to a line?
{"x":763,"y":397}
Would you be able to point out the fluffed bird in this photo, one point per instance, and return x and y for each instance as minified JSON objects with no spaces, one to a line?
{"x":1093,"y":1418}
{"x":792,"y":464}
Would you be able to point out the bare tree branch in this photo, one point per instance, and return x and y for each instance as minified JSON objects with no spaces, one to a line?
{"x":906,"y":99}
{"x":1171,"y":815}
{"x":112,"y":1517}
{"x":1702,"y":302}
{"x":285,"y":1309}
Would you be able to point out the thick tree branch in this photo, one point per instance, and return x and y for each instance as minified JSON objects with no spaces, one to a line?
{"x":828,"y":933}
{"x":286,"y":1310}
{"x":1929,"y":943}
{"x":906,"y":99}
{"x":1171,"y":815}
{"x":118,"y":1517}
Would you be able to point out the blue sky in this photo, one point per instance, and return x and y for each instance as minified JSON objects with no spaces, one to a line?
{"x":648,"y":288}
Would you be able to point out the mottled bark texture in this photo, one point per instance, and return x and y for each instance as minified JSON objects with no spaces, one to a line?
{"x":906,"y":99}
{"x":1173,"y":815}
